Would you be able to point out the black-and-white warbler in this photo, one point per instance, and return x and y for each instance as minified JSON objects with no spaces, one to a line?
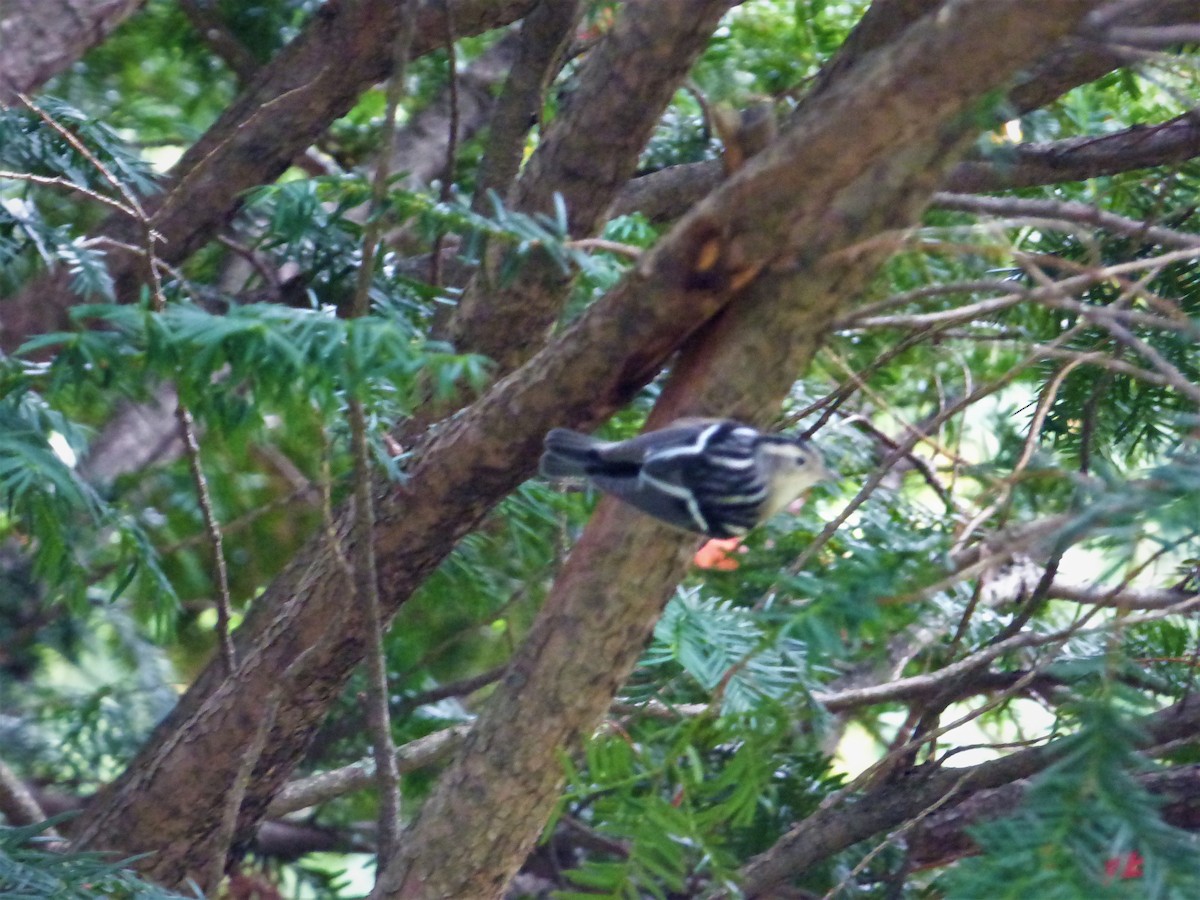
{"x":713,"y":476}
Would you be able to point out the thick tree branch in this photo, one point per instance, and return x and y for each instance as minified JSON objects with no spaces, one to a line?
{"x":44,"y":37}
{"x":585,"y":156}
{"x":665,"y":195}
{"x":623,"y":119}
{"x":344,"y":50}
{"x":883,"y":22}
{"x":207,"y":21}
{"x":617,"y":578}
{"x":1026,"y":165}
{"x":543,"y":40}
{"x":1087,"y":59}
{"x":144,"y":434}
{"x":301,"y":638}
{"x":942,"y":837}
{"x":835,"y":827}
{"x":420,"y":149}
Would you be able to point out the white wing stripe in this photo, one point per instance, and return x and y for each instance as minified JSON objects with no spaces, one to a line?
{"x":696,"y":448}
{"x":680,"y":493}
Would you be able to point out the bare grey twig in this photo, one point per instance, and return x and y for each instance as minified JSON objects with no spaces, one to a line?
{"x":366,"y":578}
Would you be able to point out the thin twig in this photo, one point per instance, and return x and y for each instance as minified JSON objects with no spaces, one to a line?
{"x":19,"y":806}
{"x":1074,"y":212}
{"x":922,"y":465}
{"x":903,"y":448}
{"x":1059,"y":638}
{"x":922,"y":436}
{"x":847,"y":389}
{"x":990,"y":285}
{"x":366,"y":576}
{"x":183,"y":416}
{"x":446,"y":194}
{"x":894,"y":835}
{"x":59,"y":181}
{"x":1045,"y":402}
{"x":1165,"y":367}
{"x":83,"y":150}
{"x":459,"y":688}
{"x":187,"y":430}
{"x":615,"y":247}
{"x":1054,"y":295}
{"x":324,"y":786}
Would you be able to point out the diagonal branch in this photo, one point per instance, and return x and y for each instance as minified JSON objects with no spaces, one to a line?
{"x":665,"y":195}
{"x":490,"y":805}
{"x":834,"y":828}
{"x":543,"y":41}
{"x":289,"y":104}
{"x":905,"y":121}
{"x":652,"y":46}
{"x":1077,"y":159}
{"x":942,"y":838}
{"x":44,"y":37}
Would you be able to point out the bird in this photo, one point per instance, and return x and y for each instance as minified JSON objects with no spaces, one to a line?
{"x":717,"y":477}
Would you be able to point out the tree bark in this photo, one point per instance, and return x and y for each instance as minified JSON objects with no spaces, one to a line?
{"x":821,"y":188}
{"x":835,"y":827}
{"x":40,"y":38}
{"x":942,"y":838}
{"x":287,"y":106}
{"x":665,"y":195}
{"x":544,"y":36}
{"x":585,"y":157}
{"x":1026,"y":165}
{"x":420,"y":149}
{"x":862,"y":158}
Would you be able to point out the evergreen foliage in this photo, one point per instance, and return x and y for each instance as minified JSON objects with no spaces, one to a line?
{"x":28,"y":872}
{"x":750,"y":708}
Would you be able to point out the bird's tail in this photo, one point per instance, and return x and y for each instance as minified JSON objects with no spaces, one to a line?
{"x":569,"y":454}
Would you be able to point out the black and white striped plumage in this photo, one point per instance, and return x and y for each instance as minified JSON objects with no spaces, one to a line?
{"x":713,"y":476}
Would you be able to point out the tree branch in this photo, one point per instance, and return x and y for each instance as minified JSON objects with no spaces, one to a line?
{"x":653,"y":45}
{"x":421,"y":143}
{"x":835,"y":827}
{"x":212,"y":29}
{"x":544,"y":36}
{"x":18,"y":806}
{"x":592,"y":627}
{"x":289,"y":104}
{"x":942,"y":837}
{"x":664,"y":195}
{"x":325,"y":786}
{"x":1072,"y":211}
{"x":44,"y":37}
{"x":301,"y":637}
{"x":1077,"y":159}
{"x":365,"y":571}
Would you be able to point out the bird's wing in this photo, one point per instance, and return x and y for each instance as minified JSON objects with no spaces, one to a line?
{"x":679,"y":434}
{"x":715,"y":476}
